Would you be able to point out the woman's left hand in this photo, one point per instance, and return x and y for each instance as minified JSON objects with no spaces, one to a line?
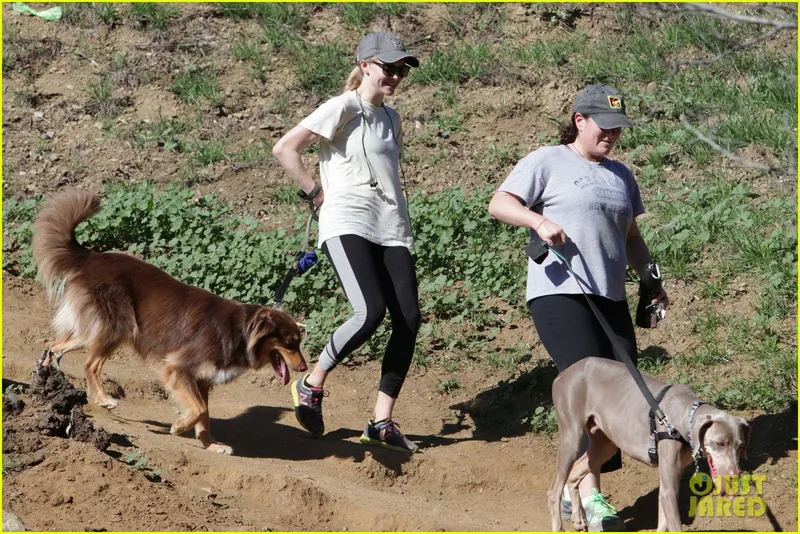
{"x":662,"y":297}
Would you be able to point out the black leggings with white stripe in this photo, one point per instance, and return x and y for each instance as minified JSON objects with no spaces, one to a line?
{"x":375,"y":278}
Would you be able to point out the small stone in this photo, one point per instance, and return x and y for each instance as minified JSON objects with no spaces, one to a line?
{"x":12,"y":523}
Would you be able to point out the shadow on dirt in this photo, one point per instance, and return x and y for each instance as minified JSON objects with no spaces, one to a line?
{"x":521,"y":404}
{"x":508,"y":408}
{"x":256,"y":433}
{"x":773,"y":436}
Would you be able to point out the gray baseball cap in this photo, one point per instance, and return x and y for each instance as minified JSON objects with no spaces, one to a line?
{"x":384,"y":46}
{"x":604,"y":104}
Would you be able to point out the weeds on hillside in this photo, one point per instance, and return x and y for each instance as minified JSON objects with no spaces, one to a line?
{"x":455,"y":64}
{"x":195,"y":84}
{"x":153,"y":15}
{"x":321,"y":68}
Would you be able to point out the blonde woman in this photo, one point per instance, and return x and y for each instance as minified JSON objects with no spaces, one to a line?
{"x":364,"y":228}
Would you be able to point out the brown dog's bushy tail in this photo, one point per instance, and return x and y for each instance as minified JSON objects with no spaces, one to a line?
{"x":55,"y":249}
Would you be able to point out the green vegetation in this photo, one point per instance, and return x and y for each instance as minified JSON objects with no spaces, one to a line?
{"x":321,"y":68}
{"x":455,"y":64}
{"x":154,"y":15}
{"x":139,"y":462}
{"x":195,"y":84}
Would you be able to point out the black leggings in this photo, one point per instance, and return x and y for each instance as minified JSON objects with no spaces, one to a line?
{"x":375,"y":278}
{"x":570,"y":332}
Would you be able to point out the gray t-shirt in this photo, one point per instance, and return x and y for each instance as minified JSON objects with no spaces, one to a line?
{"x":594,"y":203}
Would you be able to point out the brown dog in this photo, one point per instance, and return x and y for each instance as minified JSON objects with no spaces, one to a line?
{"x":191,"y":337}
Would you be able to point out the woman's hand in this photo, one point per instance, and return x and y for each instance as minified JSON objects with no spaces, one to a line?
{"x":662,"y":298}
{"x":319,"y":199}
{"x":551,"y":233}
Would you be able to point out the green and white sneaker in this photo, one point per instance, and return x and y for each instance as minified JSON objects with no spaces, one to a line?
{"x":601,"y":516}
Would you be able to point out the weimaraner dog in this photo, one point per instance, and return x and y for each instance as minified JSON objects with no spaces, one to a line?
{"x":600,"y":396}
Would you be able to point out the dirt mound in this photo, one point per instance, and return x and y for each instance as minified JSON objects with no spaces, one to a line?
{"x":60,"y":407}
{"x":54,"y":409}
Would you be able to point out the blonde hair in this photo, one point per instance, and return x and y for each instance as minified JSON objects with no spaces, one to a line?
{"x":354,"y":79}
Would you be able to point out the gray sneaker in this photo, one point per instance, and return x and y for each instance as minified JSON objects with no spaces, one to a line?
{"x":387,"y":434}
{"x":601,"y":516}
{"x":308,"y":405}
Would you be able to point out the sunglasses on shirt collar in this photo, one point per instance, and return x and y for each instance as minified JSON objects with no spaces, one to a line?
{"x":401,"y":71}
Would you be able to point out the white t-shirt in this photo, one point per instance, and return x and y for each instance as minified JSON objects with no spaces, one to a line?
{"x":378,"y":214}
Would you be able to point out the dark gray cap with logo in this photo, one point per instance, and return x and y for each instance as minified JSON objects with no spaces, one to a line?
{"x":385,"y":47}
{"x":604,"y":104}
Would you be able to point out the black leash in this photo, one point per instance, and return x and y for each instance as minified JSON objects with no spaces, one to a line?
{"x":304,"y":260}
{"x":537,"y":250}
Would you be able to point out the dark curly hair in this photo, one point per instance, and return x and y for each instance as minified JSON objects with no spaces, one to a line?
{"x":569,"y":132}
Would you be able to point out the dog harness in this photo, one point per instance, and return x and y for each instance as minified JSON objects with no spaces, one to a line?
{"x":655,"y":435}
{"x":652,"y":452}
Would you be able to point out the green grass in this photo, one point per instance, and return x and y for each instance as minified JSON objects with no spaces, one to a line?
{"x":156,"y":16}
{"x":455,"y":65}
{"x":283,"y":23}
{"x":167,"y":133}
{"x":101,"y":98}
{"x":244,"y":50}
{"x":204,"y":153}
{"x":549,"y":53}
{"x":361,"y":14}
{"x":194,"y":85}
{"x":256,"y":154}
{"x":322,"y":69}
{"x":447,"y":387}
{"x":358,"y":14}
{"x":497,"y":159}
{"x":108,"y":13}
{"x":287,"y":194}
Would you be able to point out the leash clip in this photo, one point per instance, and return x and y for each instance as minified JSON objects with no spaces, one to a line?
{"x":671,"y":430}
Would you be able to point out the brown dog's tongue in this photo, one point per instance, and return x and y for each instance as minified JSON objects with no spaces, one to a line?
{"x":284,"y":372}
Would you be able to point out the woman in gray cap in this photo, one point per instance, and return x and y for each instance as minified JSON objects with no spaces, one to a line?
{"x":364,"y":228}
{"x":584,"y":205}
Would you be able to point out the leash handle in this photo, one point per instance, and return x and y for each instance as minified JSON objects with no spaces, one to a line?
{"x":303,"y":261}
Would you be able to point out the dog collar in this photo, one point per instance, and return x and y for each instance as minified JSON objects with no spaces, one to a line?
{"x":695,"y":405}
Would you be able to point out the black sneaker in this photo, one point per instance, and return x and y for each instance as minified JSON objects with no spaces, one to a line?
{"x":387,"y":434}
{"x":308,"y":405}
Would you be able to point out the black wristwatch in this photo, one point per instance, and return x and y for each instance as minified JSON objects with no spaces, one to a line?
{"x":308,"y":197}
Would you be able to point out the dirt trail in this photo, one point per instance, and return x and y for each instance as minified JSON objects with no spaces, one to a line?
{"x":280,"y":479}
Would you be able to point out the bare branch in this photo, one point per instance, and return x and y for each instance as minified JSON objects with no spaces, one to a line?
{"x":730,"y":155}
{"x":741,"y":46}
{"x":718,"y":12}
{"x":714,"y":11}
{"x":87,"y":58}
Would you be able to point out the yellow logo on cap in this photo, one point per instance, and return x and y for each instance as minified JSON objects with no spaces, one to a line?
{"x":615,"y":102}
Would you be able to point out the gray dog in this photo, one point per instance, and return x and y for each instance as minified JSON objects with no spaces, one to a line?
{"x":600,"y":396}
